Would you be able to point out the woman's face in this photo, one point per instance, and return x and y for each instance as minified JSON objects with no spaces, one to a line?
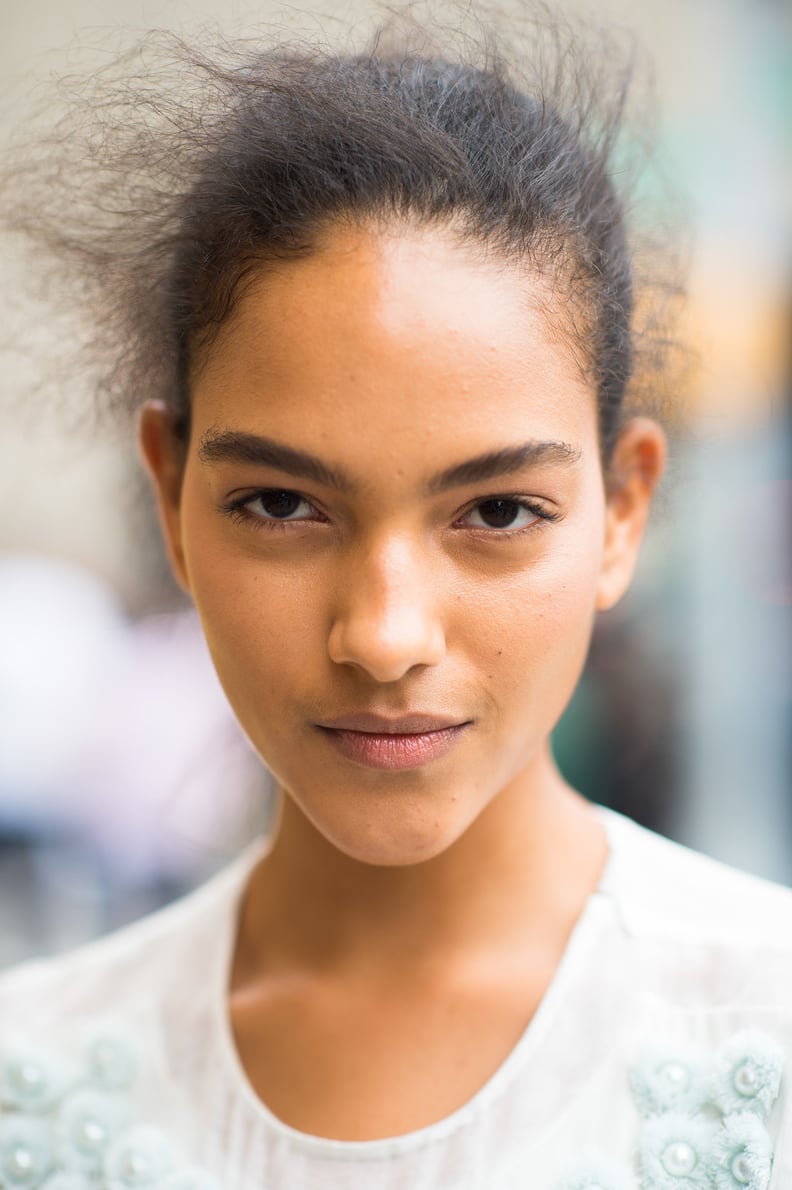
{"x":393,"y":523}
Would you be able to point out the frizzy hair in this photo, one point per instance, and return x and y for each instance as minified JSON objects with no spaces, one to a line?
{"x":176,"y":175}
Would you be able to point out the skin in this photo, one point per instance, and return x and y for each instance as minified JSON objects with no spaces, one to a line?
{"x":429,"y":906}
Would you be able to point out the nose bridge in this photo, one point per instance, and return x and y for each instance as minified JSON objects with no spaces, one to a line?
{"x":387,"y":620}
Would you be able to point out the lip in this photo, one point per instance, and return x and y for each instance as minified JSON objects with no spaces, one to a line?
{"x":380,"y":742}
{"x":414,"y":723}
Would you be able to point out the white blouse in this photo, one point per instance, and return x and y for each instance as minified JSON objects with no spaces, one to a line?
{"x":654,"y":1062}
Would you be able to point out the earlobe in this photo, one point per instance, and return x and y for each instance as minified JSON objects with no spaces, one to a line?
{"x":636,"y":468}
{"x":163,"y":453}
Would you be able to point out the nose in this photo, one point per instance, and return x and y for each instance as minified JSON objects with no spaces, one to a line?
{"x":387,"y":621}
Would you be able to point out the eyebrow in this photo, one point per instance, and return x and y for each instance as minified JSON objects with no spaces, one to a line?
{"x":233,"y":446}
{"x":495,"y":463}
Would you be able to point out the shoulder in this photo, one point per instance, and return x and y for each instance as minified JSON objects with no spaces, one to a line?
{"x":157,"y":957}
{"x":704,"y":933}
{"x":666,"y":888}
{"x":99,"y":1048}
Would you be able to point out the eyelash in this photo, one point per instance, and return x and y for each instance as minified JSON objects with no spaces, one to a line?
{"x":534,"y":507}
{"x":237,"y":511}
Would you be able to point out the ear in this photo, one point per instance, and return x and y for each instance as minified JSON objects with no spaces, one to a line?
{"x":635,"y":470}
{"x":163,"y":452}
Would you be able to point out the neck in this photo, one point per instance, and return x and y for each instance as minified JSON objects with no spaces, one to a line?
{"x":520,"y":875}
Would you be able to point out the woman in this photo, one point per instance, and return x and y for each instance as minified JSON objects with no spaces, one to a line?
{"x":388,"y":323}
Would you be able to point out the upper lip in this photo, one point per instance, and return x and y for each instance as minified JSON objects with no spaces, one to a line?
{"x":413,"y":724}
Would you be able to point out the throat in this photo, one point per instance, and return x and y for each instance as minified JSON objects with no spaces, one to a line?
{"x":367,"y":1003}
{"x":516,"y":881}
{"x":365,"y":1059}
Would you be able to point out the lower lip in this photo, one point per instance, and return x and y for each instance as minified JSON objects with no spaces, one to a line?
{"x":394,"y":751}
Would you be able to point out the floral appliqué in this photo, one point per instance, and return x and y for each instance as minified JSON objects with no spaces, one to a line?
{"x":66,"y":1123}
{"x":597,"y":1174}
{"x":703,"y":1120}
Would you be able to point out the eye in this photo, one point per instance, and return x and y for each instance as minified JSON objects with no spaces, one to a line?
{"x":503,"y":512}
{"x":280,"y":506}
{"x":274,"y":505}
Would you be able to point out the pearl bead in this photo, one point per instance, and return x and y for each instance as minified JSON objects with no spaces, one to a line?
{"x":20,"y":1163}
{"x":136,"y":1167}
{"x":741,"y":1170}
{"x":676,"y":1075}
{"x":28,"y":1076}
{"x":746,"y":1080}
{"x":679,"y":1159}
{"x":91,"y":1134}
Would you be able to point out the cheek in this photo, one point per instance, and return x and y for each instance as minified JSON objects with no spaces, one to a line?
{"x":262,"y":622}
{"x":261,"y":631}
{"x":532,"y":631}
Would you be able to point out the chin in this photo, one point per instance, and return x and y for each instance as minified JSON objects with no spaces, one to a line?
{"x":391,"y":844}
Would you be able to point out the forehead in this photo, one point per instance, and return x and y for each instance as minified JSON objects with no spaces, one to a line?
{"x":402,"y":334}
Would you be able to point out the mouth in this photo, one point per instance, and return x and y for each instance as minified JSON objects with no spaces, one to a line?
{"x":379,"y":742}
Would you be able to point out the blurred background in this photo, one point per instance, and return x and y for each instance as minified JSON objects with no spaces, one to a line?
{"x":123,"y":778}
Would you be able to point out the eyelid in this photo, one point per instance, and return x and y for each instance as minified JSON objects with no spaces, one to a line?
{"x":236,"y":507}
{"x":540,"y":518}
{"x":536,"y":504}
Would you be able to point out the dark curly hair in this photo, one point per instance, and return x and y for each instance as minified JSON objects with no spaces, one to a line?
{"x":175,"y":176}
